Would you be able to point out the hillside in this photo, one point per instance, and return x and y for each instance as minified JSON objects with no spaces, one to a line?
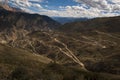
{"x":34,"y":47}
{"x":110,"y":24}
{"x":98,"y":40}
{"x":24,"y":20}
{"x":18,"y":64}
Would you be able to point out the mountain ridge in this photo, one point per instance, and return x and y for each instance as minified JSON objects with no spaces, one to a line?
{"x":64,"y":20}
{"x":97,"y":23}
{"x":14,"y":18}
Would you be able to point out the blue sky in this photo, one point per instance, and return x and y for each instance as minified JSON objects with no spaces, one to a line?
{"x":55,"y":4}
{"x":69,"y":8}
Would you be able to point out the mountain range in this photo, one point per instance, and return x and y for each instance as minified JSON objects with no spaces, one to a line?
{"x":36,"y":47}
{"x":64,"y":20}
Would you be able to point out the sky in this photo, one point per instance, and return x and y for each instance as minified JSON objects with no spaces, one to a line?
{"x":69,"y":8}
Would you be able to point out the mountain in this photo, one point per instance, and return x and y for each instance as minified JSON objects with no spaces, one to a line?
{"x":25,"y":20}
{"x":34,"y":47}
{"x":64,"y":20}
{"x":14,"y":25}
{"x":110,"y":24}
{"x":98,"y":40}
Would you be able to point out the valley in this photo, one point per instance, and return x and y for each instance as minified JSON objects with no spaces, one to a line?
{"x":35,"y":47}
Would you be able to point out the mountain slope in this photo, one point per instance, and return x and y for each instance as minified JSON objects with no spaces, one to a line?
{"x":12,"y":59}
{"x":19,"y":64}
{"x":110,"y":24}
{"x":94,"y":41}
{"x":9,"y":19}
{"x":32,"y":46}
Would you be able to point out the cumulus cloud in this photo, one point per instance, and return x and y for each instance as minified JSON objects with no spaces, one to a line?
{"x":109,"y":5}
{"x":79,"y":11}
{"x":24,"y":3}
{"x":87,"y":8}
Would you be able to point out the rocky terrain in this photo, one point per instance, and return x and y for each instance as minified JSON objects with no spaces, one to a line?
{"x":36,"y":47}
{"x":98,"y":41}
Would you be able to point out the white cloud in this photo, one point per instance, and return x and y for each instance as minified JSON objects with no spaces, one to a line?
{"x":109,"y":5}
{"x":88,"y":8}
{"x":78,"y":11}
{"x":24,"y":3}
